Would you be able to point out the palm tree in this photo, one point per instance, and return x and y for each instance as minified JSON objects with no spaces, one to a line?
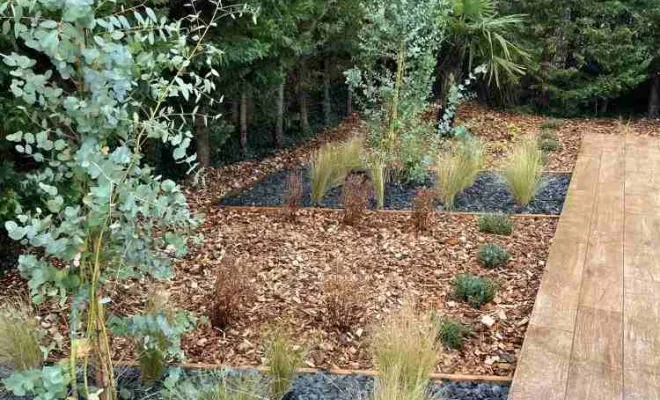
{"x":478,"y":34}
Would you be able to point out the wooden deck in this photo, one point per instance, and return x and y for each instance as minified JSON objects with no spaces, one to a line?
{"x":595,"y":329}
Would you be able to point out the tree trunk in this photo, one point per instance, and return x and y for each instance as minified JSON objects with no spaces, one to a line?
{"x":202,"y":141}
{"x":349,"y":102}
{"x":243,"y":121}
{"x":654,"y":96}
{"x":279,"y":127}
{"x":302,"y":98}
{"x":235,"y":111}
{"x":603,"y":105}
{"x":327,"y":105}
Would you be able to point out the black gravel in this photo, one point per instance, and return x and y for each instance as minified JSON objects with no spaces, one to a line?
{"x":488,"y":194}
{"x":319,"y":386}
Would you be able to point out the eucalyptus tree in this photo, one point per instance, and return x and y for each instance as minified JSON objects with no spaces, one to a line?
{"x":96,"y":77}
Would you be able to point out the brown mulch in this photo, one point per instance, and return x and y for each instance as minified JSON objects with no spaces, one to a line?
{"x":293,"y":260}
{"x":500,"y":130}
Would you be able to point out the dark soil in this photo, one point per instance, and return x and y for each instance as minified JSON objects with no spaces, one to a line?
{"x":488,"y":194}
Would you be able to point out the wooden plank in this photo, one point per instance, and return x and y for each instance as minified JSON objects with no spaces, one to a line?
{"x":598,"y":337}
{"x":542,"y":370}
{"x":642,"y":299}
{"x":585,"y":174}
{"x":557,"y":300}
{"x":641,"y":250}
{"x":641,"y":343}
{"x":602,"y":281}
{"x":593,"y":381}
{"x":641,"y":385}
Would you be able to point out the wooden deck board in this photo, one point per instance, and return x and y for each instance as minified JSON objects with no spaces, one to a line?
{"x":594,"y":331}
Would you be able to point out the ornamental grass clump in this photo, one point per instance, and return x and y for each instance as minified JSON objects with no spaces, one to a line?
{"x":293,"y":193}
{"x":230,"y":292}
{"x":423,"y":208}
{"x":355,"y":198}
{"x":331,"y":164}
{"x":405,"y":352}
{"x":224,"y":385}
{"x":493,"y":256}
{"x":282,"y":360}
{"x":498,"y":224}
{"x":452,"y":333}
{"x":523,"y":171}
{"x":457,"y":169}
{"x":19,"y":337}
{"x":343,"y":301}
{"x":474,"y":290}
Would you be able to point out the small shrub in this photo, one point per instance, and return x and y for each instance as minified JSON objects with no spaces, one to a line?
{"x":498,"y":224}
{"x":343,"y":301}
{"x":224,"y":385}
{"x":405,"y":352}
{"x":457,"y":169}
{"x":549,"y":145}
{"x":474,"y":290}
{"x":331,"y":164}
{"x":523,"y":171}
{"x":355,"y":197}
{"x":548,"y":134}
{"x":493,"y":256}
{"x":282,"y":360}
{"x":423,"y":208}
{"x":452,"y":333}
{"x":19,"y":337}
{"x":293,"y":194}
{"x":552,"y":124}
{"x":231,"y":291}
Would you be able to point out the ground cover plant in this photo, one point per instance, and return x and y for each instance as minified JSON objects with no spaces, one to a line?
{"x":492,"y":255}
{"x":498,"y":224}
{"x":474,"y":290}
{"x":452,"y":333}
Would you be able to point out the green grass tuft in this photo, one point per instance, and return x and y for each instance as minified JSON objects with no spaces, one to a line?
{"x":331,"y":164}
{"x":549,"y":145}
{"x":405,"y":352}
{"x":552,"y":124}
{"x":19,"y":337}
{"x":457,"y":169}
{"x":493,"y":256}
{"x":523,"y":171}
{"x":222,"y":385}
{"x":282,"y":360}
{"x":474,"y":290}
{"x":498,"y":224}
{"x":452,"y":333}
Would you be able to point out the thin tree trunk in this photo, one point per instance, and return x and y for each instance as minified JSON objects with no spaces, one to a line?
{"x":327,"y":105}
{"x":243,"y":121}
{"x":235,"y":111}
{"x":349,"y":102}
{"x":202,"y":141}
{"x":654,"y":96}
{"x":279,"y":127}
{"x":302,"y":98}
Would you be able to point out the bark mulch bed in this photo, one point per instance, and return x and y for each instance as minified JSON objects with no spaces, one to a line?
{"x":499,"y":130}
{"x":293,"y":260}
{"x":488,"y":194}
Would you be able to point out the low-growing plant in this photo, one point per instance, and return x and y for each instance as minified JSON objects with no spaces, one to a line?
{"x":498,"y":224}
{"x":552,"y":123}
{"x":223,"y":385}
{"x":452,"y":333}
{"x":523,"y":171}
{"x":355,"y":197}
{"x":293,"y":194}
{"x":230,"y":292}
{"x":282,"y":360}
{"x":331,"y":164}
{"x":474,"y":290}
{"x":493,"y":256}
{"x":549,"y":145}
{"x":423,"y":208}
{"x":19,"y":337}
{"x":457,"y":169}
{"x":156,"y":334}
{"x":405,"y":352}
{"x":343,"y":301}
{"x":548,"y":134}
